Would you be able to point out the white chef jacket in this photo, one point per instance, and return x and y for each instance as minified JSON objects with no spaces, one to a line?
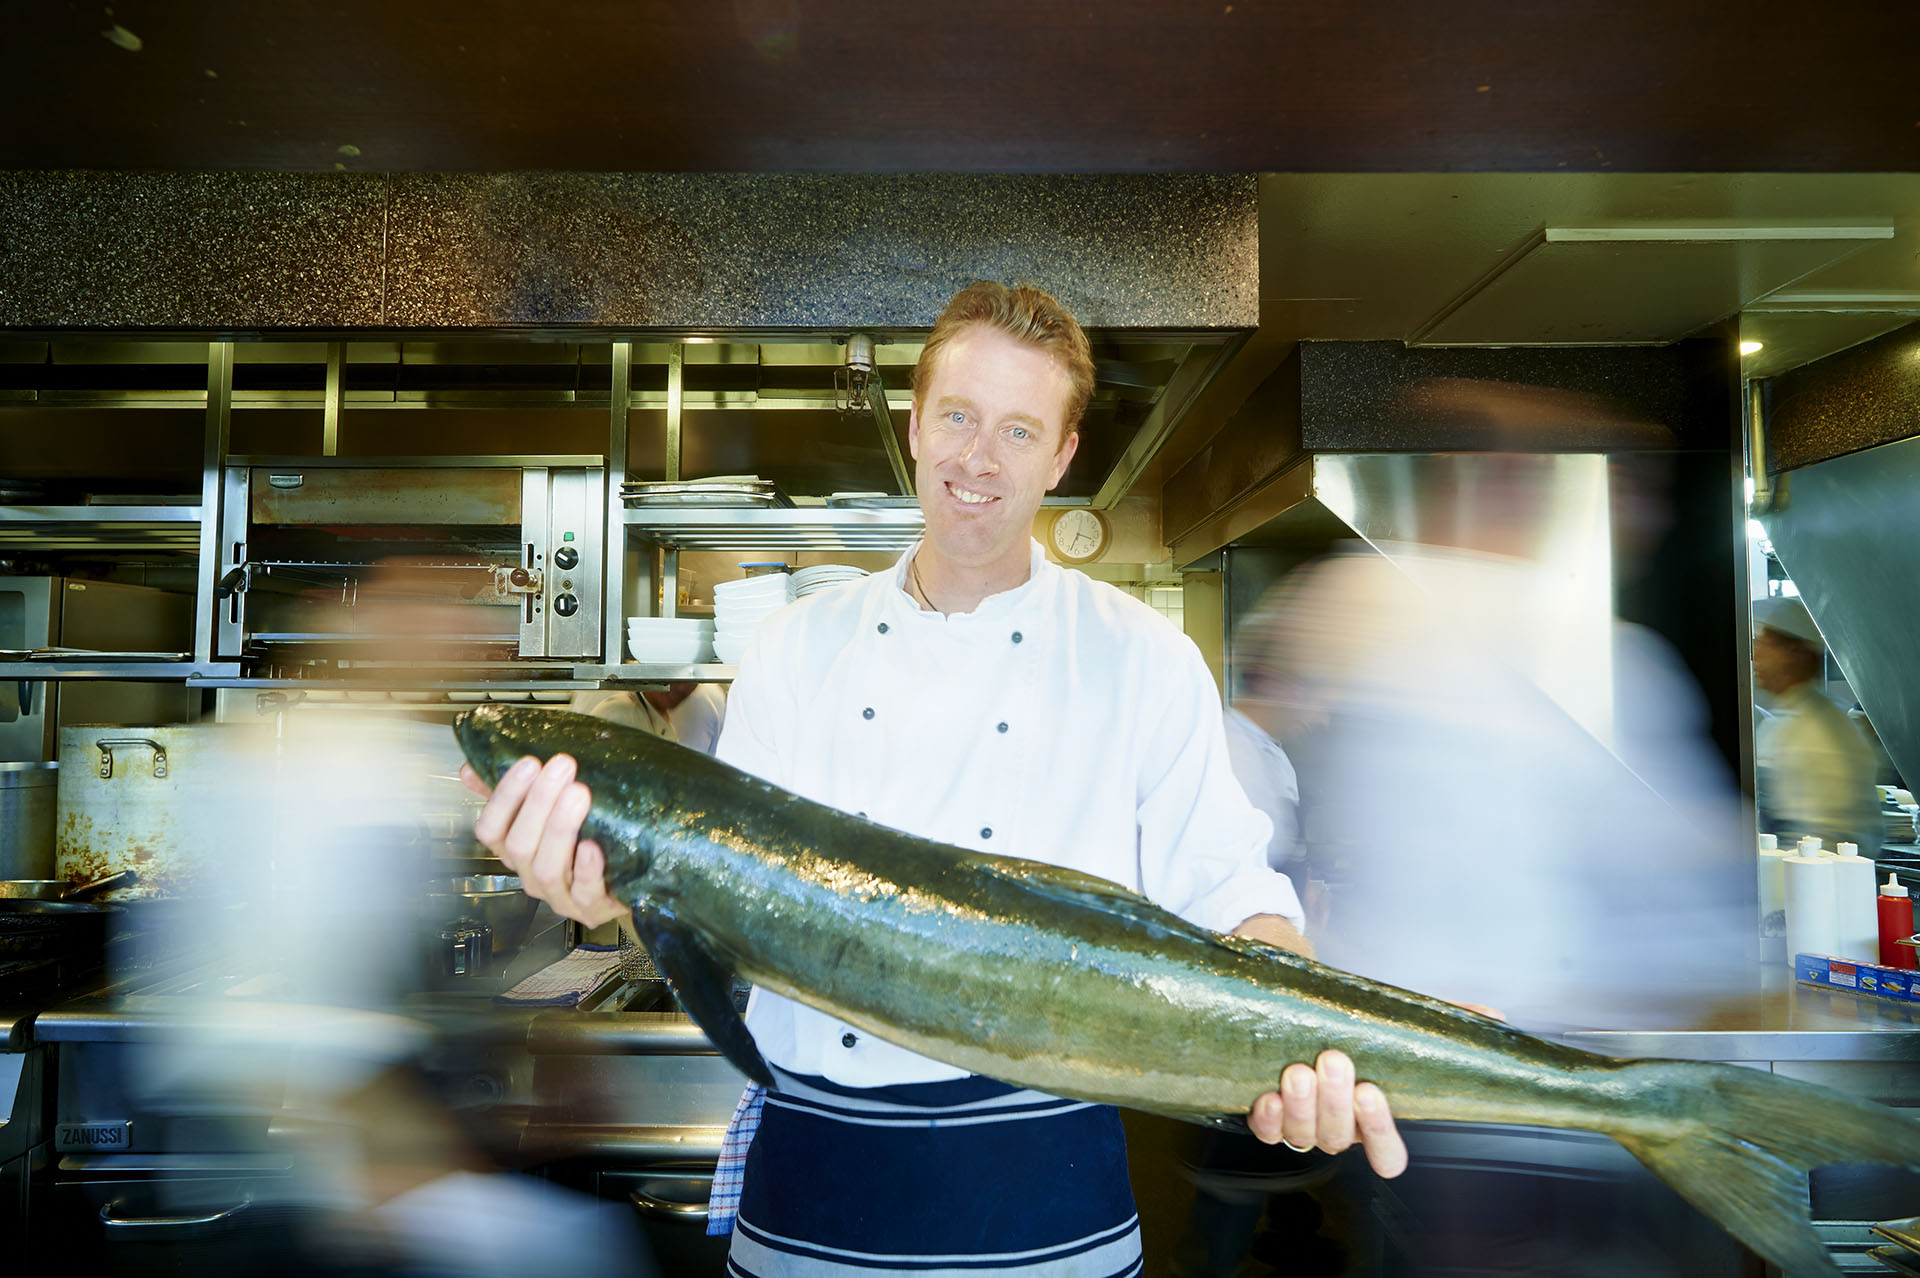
{"x":1267,"y":775}
{"x":1060,"y":721}
{"x":697,"y":719}
{"x":1815,"y":771}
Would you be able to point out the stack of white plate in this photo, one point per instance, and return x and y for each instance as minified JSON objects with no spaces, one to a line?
{"x":739,"y":606}
{"x":670,"y":641}
{"x":812,"y":580}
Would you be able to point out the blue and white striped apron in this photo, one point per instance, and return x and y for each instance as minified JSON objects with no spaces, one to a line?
{"x":965,"y":1179}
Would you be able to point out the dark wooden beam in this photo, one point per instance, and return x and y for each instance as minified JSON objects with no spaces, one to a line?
{"x":969,"y":86}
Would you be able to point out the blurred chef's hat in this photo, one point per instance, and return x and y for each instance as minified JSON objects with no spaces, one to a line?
{"x":1790,"y":617}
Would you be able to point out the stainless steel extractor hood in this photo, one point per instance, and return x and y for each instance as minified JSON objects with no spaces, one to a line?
{"x":1847,"y":532}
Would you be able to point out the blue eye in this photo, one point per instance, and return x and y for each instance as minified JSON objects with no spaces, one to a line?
{"x":956,"y":417}
{"x":1019,"y":432}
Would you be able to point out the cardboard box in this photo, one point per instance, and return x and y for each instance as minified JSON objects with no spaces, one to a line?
{"x":1862,"y":978}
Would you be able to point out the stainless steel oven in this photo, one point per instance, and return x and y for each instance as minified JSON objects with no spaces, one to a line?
{"x":502,"y":558}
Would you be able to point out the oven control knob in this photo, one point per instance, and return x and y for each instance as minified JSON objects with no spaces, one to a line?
{"x":566,"y":557}
{"x":566,"y":605}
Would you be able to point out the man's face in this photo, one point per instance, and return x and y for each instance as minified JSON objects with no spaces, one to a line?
{"x":1779,"y":662}
{"x":989,"y":440}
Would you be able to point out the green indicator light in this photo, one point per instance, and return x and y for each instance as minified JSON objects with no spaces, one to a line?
{"x":566,"y":536}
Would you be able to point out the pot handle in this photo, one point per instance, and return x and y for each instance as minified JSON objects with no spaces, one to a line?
{"x":120,"y":1226}
{"x":665,"y":1208}
{"x":106,"y":747}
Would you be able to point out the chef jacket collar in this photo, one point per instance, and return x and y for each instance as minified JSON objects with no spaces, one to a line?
{"x":1020,"y":604}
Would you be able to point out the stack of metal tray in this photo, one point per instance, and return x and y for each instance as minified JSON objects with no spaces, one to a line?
{"x":721,"y":490}
{"x":1903,"y":1255}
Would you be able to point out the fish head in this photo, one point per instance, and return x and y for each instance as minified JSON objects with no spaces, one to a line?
{"x":493,"y":739}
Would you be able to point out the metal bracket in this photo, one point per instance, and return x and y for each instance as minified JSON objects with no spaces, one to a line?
{"x":518,"y":581}
{"x":106,"y":748}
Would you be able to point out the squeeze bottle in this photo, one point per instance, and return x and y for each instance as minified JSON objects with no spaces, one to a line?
{"x":1896,"y":924}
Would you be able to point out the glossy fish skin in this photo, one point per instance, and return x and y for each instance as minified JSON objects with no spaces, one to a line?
{"x":1050,"y":979}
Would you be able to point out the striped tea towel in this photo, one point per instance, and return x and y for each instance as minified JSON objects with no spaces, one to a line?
{"x":566,"y":982}
{"x":723,"y":1205}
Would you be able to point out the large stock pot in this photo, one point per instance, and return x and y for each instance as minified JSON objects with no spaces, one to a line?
{"x":26,"y":819}
{"x":155,"y":800}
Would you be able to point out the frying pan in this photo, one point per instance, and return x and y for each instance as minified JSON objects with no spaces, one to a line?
{"x":34,"y":927}
{"x":61,"y":890}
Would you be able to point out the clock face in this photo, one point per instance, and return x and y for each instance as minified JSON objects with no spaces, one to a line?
{"x":1079,"y":535}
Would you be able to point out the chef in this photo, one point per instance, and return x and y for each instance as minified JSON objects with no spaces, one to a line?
{"x":979,"y":695}
{"x":1814,"y":771}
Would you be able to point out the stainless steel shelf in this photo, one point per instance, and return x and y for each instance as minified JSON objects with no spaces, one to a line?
{"x":194,"y":672}
{"x":634,"y":672}
{"x":808,"y":528}
{"x":100,"y":527}
{"x":382,"y":686}
{"x":583,"y":678}
{"x":105,"y":516}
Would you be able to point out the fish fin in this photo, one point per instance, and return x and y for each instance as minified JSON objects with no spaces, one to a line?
{"x":1742,"y":1153}
{"x":1077,"y":888}
{"x":704,"y":988}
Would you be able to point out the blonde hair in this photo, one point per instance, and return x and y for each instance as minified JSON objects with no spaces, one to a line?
{"x":1026,"y":314}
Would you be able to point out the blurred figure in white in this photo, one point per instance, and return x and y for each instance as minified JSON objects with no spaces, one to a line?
{"x":683,"y":711}
{"x":299,"y":1006}
{"x":1516,"y":782}
{"x":1814,"y":769}
{"x":1254,"y":720}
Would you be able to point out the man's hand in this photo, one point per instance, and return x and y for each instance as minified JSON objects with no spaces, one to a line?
{"x":1319,"y":1106}
{"x":532,"y":823}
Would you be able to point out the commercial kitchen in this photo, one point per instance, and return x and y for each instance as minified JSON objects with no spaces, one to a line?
{"x":359,"y":369}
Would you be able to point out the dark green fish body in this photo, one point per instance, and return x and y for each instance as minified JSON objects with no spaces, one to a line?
{"x":1051,"y":979}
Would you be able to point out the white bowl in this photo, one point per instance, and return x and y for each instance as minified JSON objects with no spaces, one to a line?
{"x":670,"y":636}
{"x":764,"y":608}
{"x":670,"y":625}
{"x":753,"y":589}
{"x":688,"y":655}
{"x":729,"y":654}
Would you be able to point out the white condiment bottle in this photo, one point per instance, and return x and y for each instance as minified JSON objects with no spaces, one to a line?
{"x":1856,"y":907}
{"x":1773,"y":900}
{"x":1812,"y":910}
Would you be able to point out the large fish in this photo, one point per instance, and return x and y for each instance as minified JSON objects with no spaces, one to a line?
{"x":1056,"y":980}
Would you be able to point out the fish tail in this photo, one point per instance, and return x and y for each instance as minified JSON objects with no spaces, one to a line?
{"x":1741,"y":1142}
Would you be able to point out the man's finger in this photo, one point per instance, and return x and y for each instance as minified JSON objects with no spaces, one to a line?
{"x":471,"y":779}
{"x":1385,"y":1150}
{"x":552,"y":867}
{"x":530,"y":822}
{"x":491,"y":826}
{"x":1299,"y":1111}
{"x":591,"y":903}
{"x":1265,"y":1118}
{"x":1333,"y":1101}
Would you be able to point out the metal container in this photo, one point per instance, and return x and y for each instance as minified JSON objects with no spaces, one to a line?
{"x":466,"y":949}
{"x":493,"y":900}
{"x":161,"y":801}
{"x":28,"y":793}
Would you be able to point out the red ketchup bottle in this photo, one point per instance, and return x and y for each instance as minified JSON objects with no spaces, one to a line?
{"x":1896,"y":924}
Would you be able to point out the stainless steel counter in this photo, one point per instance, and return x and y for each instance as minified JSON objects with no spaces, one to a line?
{"x":1784,"y":1022}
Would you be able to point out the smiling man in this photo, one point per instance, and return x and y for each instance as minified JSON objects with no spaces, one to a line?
{"x":981,"y":696}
